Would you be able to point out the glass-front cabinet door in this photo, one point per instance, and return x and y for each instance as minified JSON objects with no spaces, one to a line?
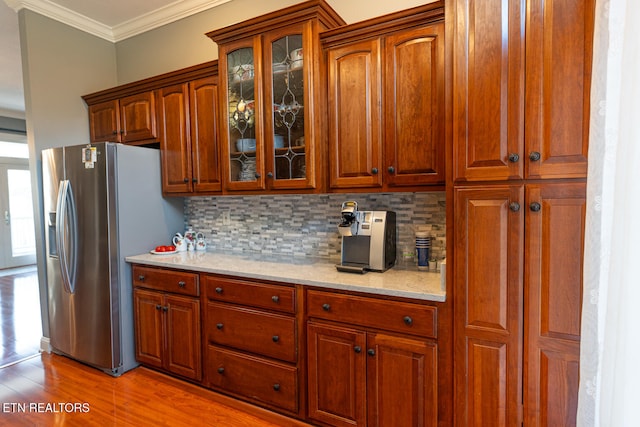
{"x":289,"y":159}
{"x":243,"y":148}
{"x":269,"y":136}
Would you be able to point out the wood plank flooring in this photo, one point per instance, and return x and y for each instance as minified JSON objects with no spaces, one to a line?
{"x":52,"y":390}
{"x":20,"y":324}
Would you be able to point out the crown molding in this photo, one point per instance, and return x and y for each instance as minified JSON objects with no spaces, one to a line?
{"x":165,"y":15}
{"x":172,"y":12}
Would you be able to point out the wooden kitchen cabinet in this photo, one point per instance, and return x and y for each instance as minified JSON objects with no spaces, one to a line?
{"x":130,"y":119}
{"x":386,"y":101}
{"x":517,"y":301}
{"x":554,"y":243}
{"x":488,"y":305}
{"x":251,"y":341}
{"x":271,"y":99}
{"x":358,"y":375}
{"x":187,"y":119}
{"x":167,"y":321}
{"x":176,"y":111}
{"x":521,"y":88}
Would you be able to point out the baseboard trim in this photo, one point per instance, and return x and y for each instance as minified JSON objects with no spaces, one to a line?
{"x":45,"y":344}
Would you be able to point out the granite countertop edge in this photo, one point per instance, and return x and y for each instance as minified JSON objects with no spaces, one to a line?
{"x":397,"y":282}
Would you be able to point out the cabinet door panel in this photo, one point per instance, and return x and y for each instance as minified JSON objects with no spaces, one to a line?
{"x":104,"y":122}
{"x":242,"y":124}
{"x":414,"y":142}
{"x":488,"y":402}
{"x":149,"y":327}
{"x":205,"y":150}
{"x":355,"y":128}
{"x":337,"y":370}
{"x":402,"y":382}
{"x":559,"y":374}
{"x":138,"y":117}
{"x":184,"y":352}
{"x":558,"y":80}
{"x":173,"y":118}
{"x":290,"y":124}
{"x":553,"y":286}
{"x":488,"y":98}
{"x":488,"y":238}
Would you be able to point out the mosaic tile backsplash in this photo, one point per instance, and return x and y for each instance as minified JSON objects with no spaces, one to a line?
{"x":307,"y":225}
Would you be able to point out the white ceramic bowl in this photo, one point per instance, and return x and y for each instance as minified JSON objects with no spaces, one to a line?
{"x":242,"y":72}
{"x":278,"y":141}
{"x":246,"y":144}
{"x":296,"y":54}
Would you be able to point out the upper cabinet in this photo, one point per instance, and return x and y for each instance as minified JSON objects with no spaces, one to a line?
{"x":177,"y":111}
{"x":130,"y":119}
{"x":271,"y":99}
{"x":386,"y":101}
{"x":521,"y":89}
{"x":188,"y":136}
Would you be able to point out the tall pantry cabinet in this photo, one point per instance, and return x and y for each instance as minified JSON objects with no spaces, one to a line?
{"x":521,"y":79}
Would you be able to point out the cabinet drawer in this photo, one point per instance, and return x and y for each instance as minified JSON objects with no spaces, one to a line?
{"x":259,"y":379}
{"x":268,"y":334}
{"x":178,"y":282}
{"x":261,"y":295}
{"x":406,"y":318}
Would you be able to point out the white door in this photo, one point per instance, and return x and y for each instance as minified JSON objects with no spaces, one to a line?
{"x":17,"y":234}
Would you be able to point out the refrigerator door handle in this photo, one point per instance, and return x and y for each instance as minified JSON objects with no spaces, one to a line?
{"x":66,"y":235}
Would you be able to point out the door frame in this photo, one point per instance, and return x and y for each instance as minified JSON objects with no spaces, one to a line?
{"x":6,"y":259}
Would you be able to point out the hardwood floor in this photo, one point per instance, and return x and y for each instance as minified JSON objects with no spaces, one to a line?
{"x":52,"y":390}
{"x":20,"y":324}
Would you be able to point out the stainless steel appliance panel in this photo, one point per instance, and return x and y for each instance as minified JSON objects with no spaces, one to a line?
{"x":98,"y":212}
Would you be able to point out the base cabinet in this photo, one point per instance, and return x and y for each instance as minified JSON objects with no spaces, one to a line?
{"x":167,"y":325}
{"x":359,"y":376}
{"x":251,"y":342}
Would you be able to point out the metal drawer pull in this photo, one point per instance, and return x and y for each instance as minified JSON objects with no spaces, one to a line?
{"x":158,"y":306}
{"x":276,"y":387}
{"x":141,"y":277}
{"x":221,"y":370}
{"x":326,"y":307}
{"x":219,"y":325}
{"x":218,"y":290}
{"x":275,"y":338}
{"x":181,"y":284}
{"x":408,"y":320}
{"x":275,"y":299}
{"x":357,"y":349}
{"x":371,"y":352}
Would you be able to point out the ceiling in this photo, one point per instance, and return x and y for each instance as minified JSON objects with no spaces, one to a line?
{"x":112,"y":20}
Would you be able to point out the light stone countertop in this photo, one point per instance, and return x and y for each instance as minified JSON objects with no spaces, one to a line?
{"x":400,"y":282}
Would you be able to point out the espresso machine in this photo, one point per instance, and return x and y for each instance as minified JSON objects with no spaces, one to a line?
{"x":368,"y":239}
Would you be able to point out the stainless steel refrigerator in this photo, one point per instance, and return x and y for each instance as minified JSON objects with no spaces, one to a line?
{"x":103,"y":202}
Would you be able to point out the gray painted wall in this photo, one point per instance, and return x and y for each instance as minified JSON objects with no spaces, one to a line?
{"x":183,"y":43}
